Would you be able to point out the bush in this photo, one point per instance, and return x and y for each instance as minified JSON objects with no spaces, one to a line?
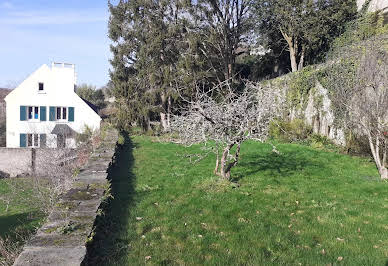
{"x":320,"y":142}
{"x":357,"y":145}
{"x":289,"y":131}
{"x":121,"y":139}
{"x":85,"y":136}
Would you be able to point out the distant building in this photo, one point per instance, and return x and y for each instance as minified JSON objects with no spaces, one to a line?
{"x":45,"y":111}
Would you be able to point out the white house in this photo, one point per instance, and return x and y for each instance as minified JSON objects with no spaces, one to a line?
{"x":45,"y":111}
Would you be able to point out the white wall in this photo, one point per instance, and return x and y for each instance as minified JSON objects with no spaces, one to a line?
{"x":58,"y":91}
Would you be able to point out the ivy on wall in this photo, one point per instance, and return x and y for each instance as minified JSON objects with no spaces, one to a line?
{"x":342,"y":63}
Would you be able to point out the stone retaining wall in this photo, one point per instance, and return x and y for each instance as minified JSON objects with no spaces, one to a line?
{"x":15,"y":161}
{"x":61,"y":240}
{"x":31,"y":161}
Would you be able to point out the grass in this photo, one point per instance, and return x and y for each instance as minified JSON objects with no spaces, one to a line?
{"x":301,"y":207}
{"x":23,"y":215}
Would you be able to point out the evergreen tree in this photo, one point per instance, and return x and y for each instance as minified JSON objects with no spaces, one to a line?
{"x":147,"y":39}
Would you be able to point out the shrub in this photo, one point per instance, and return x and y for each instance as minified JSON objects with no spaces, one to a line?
{"x":289,"y":131}
{"x":85,"y":136}
{"x":121,"y":139}
{"x":357,"y":145}
{"x":320,"y":142}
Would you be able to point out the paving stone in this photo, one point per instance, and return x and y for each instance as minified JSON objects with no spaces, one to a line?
{"x":38,"y":256}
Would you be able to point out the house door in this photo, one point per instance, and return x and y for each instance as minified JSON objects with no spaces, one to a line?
{"x":61,"y":141}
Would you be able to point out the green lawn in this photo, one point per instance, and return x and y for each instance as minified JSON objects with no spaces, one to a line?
{"x":302,"y":207}
{"x":23,"y":214}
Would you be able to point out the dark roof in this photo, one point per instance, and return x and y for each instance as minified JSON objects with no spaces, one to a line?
{"x":94,"y":107}
{"x":63,"y":129}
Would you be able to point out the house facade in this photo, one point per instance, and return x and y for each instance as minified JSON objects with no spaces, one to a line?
{"x":44,"y":110}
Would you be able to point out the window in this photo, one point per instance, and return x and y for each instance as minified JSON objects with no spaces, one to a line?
{"x":61,"y":113}
{"x":41,"y":86}
{"x":36,"y":139}
{"x":33,"y":113}
{"x":32,"y":140}
{"x":29,"y":140}
{"x":36,"y":112}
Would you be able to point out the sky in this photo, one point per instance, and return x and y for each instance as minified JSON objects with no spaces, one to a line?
{"x":37,"y":32}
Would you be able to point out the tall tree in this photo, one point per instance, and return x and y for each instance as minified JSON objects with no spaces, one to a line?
{"x":91,"y":94}
{"x":147,"y":36}
{"x":127,"y":40}
{"x":306,"y":26}
{"x":222,"y":26}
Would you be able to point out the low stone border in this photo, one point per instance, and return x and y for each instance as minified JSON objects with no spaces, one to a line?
{"x":61,"y":240}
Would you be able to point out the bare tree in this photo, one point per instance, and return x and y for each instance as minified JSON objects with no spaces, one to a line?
{"x":365,"y":102}
{"x":228,"y":119}
{"x":56,"y":168}
{"x":225,"y":25}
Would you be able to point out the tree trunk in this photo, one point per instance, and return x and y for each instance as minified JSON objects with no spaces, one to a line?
{"x":169,"y":112}
{"x":301,"y":59}
{"x":225,"y":166}
{"x":294,"y":65}
{"x":163,"y":116}
{"x":145,"y":123}
{"x":380,"y":164}
{"x":230,"y":70}
{"x":148,"y":121}
{"x":163,"y":121}
{"x":217,"y":162}
{"x":234,"y":162}
{"x":293,"y":49}
{"x":383,"y":171}
{"x":224,"y":160}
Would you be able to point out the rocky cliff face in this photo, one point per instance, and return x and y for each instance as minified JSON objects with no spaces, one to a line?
{"x":320,"y":116}
{"x":374,"y":5}
{"x":314,"y":106}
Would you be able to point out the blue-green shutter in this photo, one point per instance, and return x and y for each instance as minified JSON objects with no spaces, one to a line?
{"x":43,"y":116}
{"x":23,"y":113}
{"x":23,"y":140}
{"x":71,"y":114}
{"x":52,"y":113}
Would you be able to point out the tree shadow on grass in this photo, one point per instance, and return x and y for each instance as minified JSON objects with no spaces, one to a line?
{"x":25,"y":222}
{"x":279,"y":165}
{"x":109,"y":240}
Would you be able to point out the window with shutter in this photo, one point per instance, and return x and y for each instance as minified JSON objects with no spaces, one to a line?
{"x":23,"y":140}
{"x":42,"y":140}
{"x":52,"y":113}
{"x":71,"y":114}
{"x":43,"y":113}
{"x":23,"y":113}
